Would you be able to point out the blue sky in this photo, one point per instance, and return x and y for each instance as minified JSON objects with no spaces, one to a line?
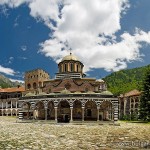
{"x":107,"y":36}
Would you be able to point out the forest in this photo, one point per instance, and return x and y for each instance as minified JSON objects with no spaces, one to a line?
{"x":125,"y":80}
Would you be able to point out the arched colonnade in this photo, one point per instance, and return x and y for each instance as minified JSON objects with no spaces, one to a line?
{"x":65,"y":110}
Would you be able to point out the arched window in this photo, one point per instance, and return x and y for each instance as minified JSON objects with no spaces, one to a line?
{"x":60,"y":68}
{"x":132,"y":100}
{"x":65,"y":68}
{"x":28,"y":86}
{"x":34,"y":85}
{"x":136,"y":105}
{"x":71,"y":67}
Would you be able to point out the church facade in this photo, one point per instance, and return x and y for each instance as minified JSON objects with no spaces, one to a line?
{"x":67,"y":98}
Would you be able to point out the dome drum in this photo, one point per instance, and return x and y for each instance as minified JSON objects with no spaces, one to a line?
{"x":70,"y":65}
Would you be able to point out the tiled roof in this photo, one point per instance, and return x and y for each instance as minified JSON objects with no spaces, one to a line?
{"x":132,"y":93}
{"x":13,"y":89}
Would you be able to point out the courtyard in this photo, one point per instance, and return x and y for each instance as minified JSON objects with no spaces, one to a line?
{"x":49,"y":136}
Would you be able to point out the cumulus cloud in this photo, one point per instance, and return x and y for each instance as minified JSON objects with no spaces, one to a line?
{"x":15,"y":80}
{"x":13,"y":3}
{"x":7,"y":71}
{"x":89,"y":28}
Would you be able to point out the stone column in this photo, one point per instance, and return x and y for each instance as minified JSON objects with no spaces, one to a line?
{"x":20,"y":115}
{"x":46,"y":113}
{"x":98,"y":113}
{"x":71,"y":116}
{"x":134,"y":104}
{"x":119,"y":108}
{"x":6,"y":105}
{"x":115,"y":112}
{"x":11,"y":107}
{"x":2,"y":108}
{"x":55,"y":114}
{"x":16,"y":103}
{"x":11,"y":104}
{"x":82,"y":113}
{"x":124,"y":106}
{"x":16,"y":112}
{"x":7,"y":108}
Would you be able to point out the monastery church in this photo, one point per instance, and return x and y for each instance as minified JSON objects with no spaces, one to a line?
{"x":69,"y":97}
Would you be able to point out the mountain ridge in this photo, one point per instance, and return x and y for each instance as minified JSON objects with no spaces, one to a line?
{"x":6,"y":82}
{"x":126,"y":80}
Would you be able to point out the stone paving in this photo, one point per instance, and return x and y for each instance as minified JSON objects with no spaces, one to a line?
{"x":46,"y":136}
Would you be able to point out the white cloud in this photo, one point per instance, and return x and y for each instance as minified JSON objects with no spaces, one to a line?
{"x":13,"y":3}
{"x":10,"y":60}
{"x":88,"y":27}
{"x":23,"y":47}
{"x":7,"y":71}
{"x":15,"y":80}
{"x":46,"y":10}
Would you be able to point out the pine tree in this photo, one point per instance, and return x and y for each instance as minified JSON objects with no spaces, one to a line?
{"x":145,"y":98}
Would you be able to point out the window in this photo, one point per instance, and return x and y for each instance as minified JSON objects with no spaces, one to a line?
{"x":65,"y":68}
{"x":28,"y":86}
{"x":34,"y":85}
{"x":60,"y":69}
{"x":71,"y":67}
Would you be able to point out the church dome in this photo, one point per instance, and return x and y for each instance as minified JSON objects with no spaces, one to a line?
{"x":106,"y":93}
{"x":100,"y":80}
{"x":70,"y":57}
{"x":30,"y":94}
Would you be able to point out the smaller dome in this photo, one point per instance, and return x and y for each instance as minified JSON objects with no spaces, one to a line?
{"x":70,"y":57}
{"x":77,"y":92}
{"x":65,"y":91}
{"x":106,"y":93}
{"x":30,"y":94}
{"x":100,"y":80}
{"x":90,"y":92}
{"x":51,"y":94}
{"x":42,"y":93}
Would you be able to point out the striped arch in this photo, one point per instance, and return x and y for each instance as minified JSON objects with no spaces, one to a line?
{"x":25,"y":103}
{"x":50,"y":110}
{"x":107,"y":110}
{"x":61,"y":100}
{"x":14,"y":112}
{"x":40,"y":101}
{"x":105,"y":100}
{"x":90,"y":110}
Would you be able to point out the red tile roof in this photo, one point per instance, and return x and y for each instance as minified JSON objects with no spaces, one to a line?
{"x":132,"y":93}
{"x":13,"y":89}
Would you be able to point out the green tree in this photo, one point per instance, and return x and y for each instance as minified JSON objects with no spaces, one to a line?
{"x":145,"y":97}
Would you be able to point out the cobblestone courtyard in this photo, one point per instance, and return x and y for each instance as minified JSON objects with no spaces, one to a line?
{"x":46,"y":136}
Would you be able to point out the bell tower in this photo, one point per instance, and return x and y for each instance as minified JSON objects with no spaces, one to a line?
{"x":34,"y":79}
